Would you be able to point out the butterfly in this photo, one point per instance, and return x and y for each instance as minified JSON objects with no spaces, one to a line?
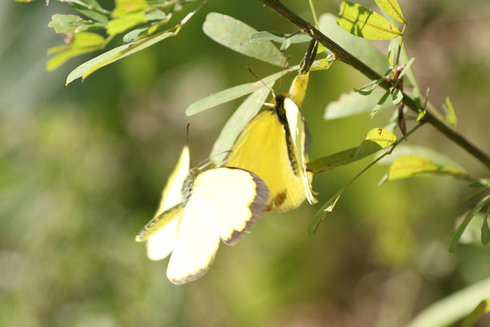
{"x":198,"y":209}
{"x":273,"y":146}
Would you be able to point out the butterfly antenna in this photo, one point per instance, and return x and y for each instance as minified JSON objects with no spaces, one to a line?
{"x":261,"y":81}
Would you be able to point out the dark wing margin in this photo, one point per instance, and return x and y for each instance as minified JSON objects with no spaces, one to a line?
{"x":257,"y":206}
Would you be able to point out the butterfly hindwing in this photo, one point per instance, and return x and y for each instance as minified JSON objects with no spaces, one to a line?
{"x":224,"y":203}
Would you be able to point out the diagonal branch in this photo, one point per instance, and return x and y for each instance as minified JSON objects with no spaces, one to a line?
{"x":346,"y":57}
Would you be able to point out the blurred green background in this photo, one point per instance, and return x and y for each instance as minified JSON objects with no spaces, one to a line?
{"x":82,"y":168}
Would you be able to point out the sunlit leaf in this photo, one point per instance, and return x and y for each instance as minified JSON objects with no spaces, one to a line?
{"x":235,"y":35}
{"x":360,"y":48}
{"x":411,"y":165}
{"x":363,"y":22}
{"x":467,"y":219}
{"x":124,"y":7}
{"x":354,"y":103}
{"x":392,"y":9}
{"x":447,"y":311}
{"x":124,"y":23}
{"x":91,"y":9}
{"x":82,"y":43}
{"x":450,"y":113}
{"x":227,"y":95}
{"x":375,"y":140}
{"x":244,"y":113}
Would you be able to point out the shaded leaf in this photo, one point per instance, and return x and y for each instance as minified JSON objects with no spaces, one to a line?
{"x":485,"y":229}
{"x":360,"y":48}
{"x":375,"y":140}
{"x":91,"y":9}
{"x":461,"y":228}
{"x":324,"y":211}
{"x":244,"y":113}
{"x":454,"y":307}
{"x":124,"y":7}
{"x":354,"y":103}
{"x":363,"y":22}
{"x":380,"y":103}
{"x":397,"y":96}
{"x":227,"y":95}
{"x":235,"y":35}
{"x":280,"y":37}
{"x":392,"y":9}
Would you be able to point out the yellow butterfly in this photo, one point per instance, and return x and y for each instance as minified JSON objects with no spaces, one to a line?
{"x":273,"y":146}
{"x":197,"y":210}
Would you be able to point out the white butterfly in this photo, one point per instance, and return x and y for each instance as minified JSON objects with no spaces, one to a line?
{"x":197,"y":210}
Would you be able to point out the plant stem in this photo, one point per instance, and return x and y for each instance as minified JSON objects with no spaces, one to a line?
{"x":344,"y":56}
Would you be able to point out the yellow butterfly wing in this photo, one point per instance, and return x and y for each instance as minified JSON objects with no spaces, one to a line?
{"x":224,"y":204}
{"x":274,"y":149}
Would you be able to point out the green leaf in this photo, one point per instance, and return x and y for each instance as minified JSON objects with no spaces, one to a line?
{"x":380,"y":104}
{"x":83,"y":42}
{"x":397,"y":96}
{"x":280,"y":37}
{"x":392,"y":9}
{"x":324,"y":211}
{"x":485,"y":229}
{"x":420,"y":151}
{"x":411,"y":165}
{"x":481,"y":309}
{"x":126,"y":22}
{"x":230,"y":94}
{"x":461,"y":228}
{"x":375,"y":140}
{"x":447,"y":311}
{"x":124,"y":7}
{"x":450,"y":113}
{"x":360,"y":48}
{"x":244,"y":113}
{"x":91,"y":9}
{"x":354,"y":103}
{"x":363,"y":22}
{"x":115,"y":54}
{"x":68,"y":24}
{"x":235,"y":35}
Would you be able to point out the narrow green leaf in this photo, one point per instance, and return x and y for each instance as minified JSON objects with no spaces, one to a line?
{"x":360,"y":48}
{"x":244,"y":113}
{"x":375,"y":140}
{"x":354,"y":103}
{"x":227,"y":95}
{"x":485,"y":229}
{"x":126,"y":22}
{"x":380,"y":104}
{"x":411,"y":165}
{"x":363,"y":22}
{"x":447,"y":311}
{"x":397,"y":96}
{"x":279,"y":37}
{"x":481,"y":309}
{"x":406,"y":68}
{"x":115,"y":54}
{"x":461,"y":228}
{"x":324,"y":211}
{"x":392,"y":9}
{"x":91,"y":9}
{"x":235,"y":35}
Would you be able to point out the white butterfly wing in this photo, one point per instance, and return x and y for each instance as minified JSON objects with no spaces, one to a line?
{"x":224,"y":204}
{"x":161,"y":243}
